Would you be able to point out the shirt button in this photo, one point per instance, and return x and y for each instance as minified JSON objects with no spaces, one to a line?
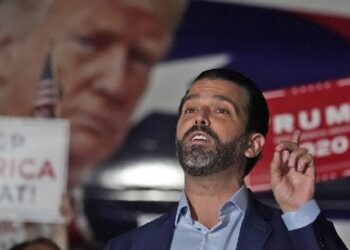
{"x":211,"y":235}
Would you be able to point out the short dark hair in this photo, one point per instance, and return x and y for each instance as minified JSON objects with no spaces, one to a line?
{"x":257,"y":109}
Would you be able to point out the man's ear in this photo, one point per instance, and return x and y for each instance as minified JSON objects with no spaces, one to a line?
{"x":255,"y":145}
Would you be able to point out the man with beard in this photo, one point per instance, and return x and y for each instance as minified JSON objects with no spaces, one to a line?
{"x":223,"y":121}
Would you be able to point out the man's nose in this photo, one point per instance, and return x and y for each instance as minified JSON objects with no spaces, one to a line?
{"x":111,"y":79}
{"x":202,"y":117}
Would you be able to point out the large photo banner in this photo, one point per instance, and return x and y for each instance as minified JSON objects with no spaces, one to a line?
{"x":322,"y":112}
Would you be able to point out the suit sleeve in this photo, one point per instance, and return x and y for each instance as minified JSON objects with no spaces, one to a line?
{"x":319,"y":235}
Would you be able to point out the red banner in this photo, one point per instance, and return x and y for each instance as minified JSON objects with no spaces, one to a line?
{"x":322,"y":112}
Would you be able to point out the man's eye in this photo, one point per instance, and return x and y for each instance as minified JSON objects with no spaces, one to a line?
{"x":222,"y":111}
{"x":92,"y":42}
{"x":189,"y":110}
{"x":139,"y":60}
{"x":86,"y":42}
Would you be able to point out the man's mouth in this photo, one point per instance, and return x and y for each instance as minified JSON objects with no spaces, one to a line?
{"x":198,"y":134}
{"x":199,"y":137}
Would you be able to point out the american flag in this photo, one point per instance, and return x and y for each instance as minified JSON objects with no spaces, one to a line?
{"x":46,"y":94}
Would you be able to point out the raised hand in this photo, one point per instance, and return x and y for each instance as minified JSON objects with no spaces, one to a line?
{"x":293,"y":174}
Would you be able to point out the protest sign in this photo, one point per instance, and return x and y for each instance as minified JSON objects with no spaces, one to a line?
{"x":33,"y":168}
{"x":322,"y":112}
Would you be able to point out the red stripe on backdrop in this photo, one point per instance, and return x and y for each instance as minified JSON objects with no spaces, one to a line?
{"x":339,"y":25}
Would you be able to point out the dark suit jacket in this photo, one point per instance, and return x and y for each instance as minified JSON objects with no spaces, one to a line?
{"x":262,"y":228}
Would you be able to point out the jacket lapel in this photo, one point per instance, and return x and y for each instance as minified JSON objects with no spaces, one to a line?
{"x":161,"y":238}
{"x":255,"y":228}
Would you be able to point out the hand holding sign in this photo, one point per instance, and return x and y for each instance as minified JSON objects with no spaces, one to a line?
{"x":293,"y":174}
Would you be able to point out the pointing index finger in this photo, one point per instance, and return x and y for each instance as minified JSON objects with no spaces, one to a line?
{"x":296,"y":136}
{"x":290,"y":145}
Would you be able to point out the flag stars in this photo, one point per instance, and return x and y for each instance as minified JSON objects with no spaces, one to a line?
{"x":311,"y":88}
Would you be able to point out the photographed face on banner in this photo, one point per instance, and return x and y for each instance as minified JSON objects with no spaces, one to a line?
{"x":22,"y":51}
{"x":102,"y":58}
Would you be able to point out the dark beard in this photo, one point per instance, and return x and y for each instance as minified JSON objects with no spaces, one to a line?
{"x":198,"y":160}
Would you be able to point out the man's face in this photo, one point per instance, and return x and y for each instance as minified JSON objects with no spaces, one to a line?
{"x":103,"y":60}
{"x":210,"y":132}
